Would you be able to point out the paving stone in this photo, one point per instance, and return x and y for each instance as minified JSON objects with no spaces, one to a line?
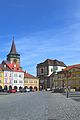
{"x":38,"y":106}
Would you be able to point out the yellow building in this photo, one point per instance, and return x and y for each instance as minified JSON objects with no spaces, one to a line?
{"x":69,"y":77}
{"x":1,"y":79}
{"x":31,"y":82}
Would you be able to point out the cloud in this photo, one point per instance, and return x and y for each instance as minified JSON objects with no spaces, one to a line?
{"x":62,"y":44}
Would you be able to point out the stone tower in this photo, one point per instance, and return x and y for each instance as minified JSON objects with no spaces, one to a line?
{"x":13,"y":56}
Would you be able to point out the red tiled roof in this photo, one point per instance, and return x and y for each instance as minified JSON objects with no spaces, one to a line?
{"x":73,"y":66}
{"x":76,"y":65}
{"x":27,"y":75}
{"x":13,"y":67}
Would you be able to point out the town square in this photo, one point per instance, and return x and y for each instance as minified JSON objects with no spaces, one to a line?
{"x":39,"y":59}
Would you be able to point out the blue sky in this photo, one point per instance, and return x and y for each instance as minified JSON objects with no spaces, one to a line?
{"x":42,"y":29}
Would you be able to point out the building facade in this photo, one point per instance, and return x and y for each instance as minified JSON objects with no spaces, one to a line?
{"x":45,"y":69}
{"x":69,"y":77}
{"x":1,"y":79}
{"x":31,"y":82}
{"x":18,"y":80}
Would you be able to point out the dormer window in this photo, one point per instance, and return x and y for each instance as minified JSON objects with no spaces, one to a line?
{"x":4,"y":65}
{"x":14,"y":65}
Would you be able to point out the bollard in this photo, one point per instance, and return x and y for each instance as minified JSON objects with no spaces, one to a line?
{"x":67,"y":94}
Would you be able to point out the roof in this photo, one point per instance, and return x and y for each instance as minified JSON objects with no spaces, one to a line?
{"x":4,"y":68}
{"x":12,"y":66}
{"x":72,"y":66}
{"x":13,"y":48}
{"x":52,"y":63}
{"x":27,"y":75}
{"x":76,"y":65}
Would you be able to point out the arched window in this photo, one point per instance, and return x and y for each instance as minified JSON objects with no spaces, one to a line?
{"x":31,"y":88}
{"x":25,"y":87}
{"x":20,"y":88}
{"x":5,"y":87}
{"x":35,"y":88}
{"x":10,"y":87}
{"x":0,"y":87}
{"x":15,"y":87}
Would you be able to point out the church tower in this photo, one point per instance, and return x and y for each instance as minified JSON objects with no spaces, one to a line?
{"x":13,"y":56}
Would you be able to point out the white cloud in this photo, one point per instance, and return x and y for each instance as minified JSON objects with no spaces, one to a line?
{"x":63,"y":44}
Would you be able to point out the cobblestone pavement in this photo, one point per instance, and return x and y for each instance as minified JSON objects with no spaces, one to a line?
{"x":74,"y":95}
{"x":62,"y":108}
{"x":38,"y":106}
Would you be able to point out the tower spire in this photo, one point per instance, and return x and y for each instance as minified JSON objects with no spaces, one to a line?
{"x":13,"y":56}
{"x":13,"y":47}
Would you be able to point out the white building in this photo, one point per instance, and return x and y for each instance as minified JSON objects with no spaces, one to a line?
{"x":18,"y":80}
{"x":45,"y":69}
{"x":13,"y":75}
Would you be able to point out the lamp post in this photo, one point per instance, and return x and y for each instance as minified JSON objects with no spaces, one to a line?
{"x":67,"y":92}
{"x":68,"y":74}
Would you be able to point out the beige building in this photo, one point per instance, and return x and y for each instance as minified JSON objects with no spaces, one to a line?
{"x":69,"y":77}
{"x":31,"y":82}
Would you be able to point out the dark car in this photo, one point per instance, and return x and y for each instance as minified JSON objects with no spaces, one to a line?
{"x":22,"y":90}
{"x":2,"y":90}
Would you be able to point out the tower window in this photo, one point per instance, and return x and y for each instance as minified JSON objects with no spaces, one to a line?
{"x":15,"y":61}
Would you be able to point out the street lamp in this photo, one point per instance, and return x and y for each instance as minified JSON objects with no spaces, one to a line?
{"x":68,"y":74}
{"x":67,"y":94}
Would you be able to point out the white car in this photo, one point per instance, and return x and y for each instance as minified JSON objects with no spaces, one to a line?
{"x":48,"y":89}
{"x":27,"y":90}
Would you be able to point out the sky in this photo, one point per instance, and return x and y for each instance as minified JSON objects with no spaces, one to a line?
{"x":42,"y":29}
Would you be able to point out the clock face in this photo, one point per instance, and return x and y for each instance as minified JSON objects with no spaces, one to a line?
{"x":15,"y":61}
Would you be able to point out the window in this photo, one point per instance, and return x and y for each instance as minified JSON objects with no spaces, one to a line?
{"x":46,"y":69}
{"x":15,"y":75}
{"x":35,"y":81}
{"x":26,"y":81}
{"x":15,"y":62}
{"x":56,"y":68}
{"x":10,"y":75}
{"x":5,"y":80}
{"x":0,"y":75}
{"x":5,"y":74}
{"x":4,"y":65}
{"x":20,"y":75}
{"x":74,"y":75}
{"x":41,"y":70}
{"x":15,"y":81}
{"x":30,"y":81}
{"x":20,"y":81}
{"x":51,"y":69}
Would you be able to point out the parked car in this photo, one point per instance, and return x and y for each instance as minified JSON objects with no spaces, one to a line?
{"x":27,"y":90}
{"x":48,"y":89}
{"x":58,"y":90}
{"x":12,"y":91}
{"x":2,"y":90}
{"x":22,"y":90}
